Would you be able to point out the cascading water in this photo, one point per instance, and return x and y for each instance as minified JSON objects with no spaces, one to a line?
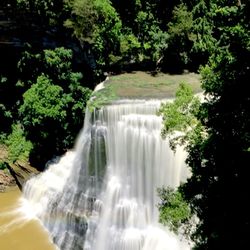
{"x":102,"y":195}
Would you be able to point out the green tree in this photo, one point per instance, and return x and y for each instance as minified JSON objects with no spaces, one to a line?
{"x":179,"y":117}
{"x":142,"y":21}
{"x":43,"y":101}
{"x":203,"y":30}
{"x":56,"y":63}
{"x":218,"y":188}
{"x":46,"y":13}
{"x":54,"y":102}
{"x":152,"y":38}
{"x":18,"y":147}
{"x":97,"y":26}
{"x":43,"y":116}
{"x":174,"y":210}
{"x":176,"y":56}
{"x":130,"y":47}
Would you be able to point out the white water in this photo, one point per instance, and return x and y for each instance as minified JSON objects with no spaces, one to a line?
{"x":102,"y":195}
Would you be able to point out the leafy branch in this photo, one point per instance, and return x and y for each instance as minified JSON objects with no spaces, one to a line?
{"x":180,"y":116}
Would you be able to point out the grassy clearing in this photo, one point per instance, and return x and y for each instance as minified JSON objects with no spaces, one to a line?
{"x":142,"y":85}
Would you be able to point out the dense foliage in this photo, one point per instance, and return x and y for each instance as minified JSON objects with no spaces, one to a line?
{"x":174,"y":210}
{"x":18,"y":147}
{"x":218,"y":149}
{"x":221,"y":164}
{"x":50,"y":103}
{"x":53,"y":50}
{"x":55,"y":101}
{"x":180,"y":115}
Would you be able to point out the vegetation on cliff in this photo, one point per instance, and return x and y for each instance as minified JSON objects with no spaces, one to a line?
{"x":54,"y":52}
{"x":219,"y":146}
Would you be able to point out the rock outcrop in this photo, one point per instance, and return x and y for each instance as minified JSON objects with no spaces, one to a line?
{"x":6,"y":180}
{"x":15,"y":173}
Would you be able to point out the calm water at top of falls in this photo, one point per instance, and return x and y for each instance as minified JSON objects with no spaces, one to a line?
{"x":102,"y":194}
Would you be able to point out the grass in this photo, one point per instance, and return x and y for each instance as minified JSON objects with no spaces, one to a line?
{"x":142,"y":85}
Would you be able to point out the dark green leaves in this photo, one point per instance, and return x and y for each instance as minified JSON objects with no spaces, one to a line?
{"x":42,"y":101}
{"x":18,"y":147}
{"x":180,"y":116}
{"x":54,"y":100}
{"x":174,"y":210}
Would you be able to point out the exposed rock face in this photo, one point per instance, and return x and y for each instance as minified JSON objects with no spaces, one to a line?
{"x":14,"y":174}
{"x":6,"y":180}
{"x":21,"y":172}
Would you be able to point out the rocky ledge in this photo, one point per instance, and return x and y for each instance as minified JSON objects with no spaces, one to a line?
{"x":6,"y":180}
{"x":14,"y":173}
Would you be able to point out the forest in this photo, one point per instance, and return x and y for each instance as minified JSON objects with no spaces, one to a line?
{"x":54,"y":52}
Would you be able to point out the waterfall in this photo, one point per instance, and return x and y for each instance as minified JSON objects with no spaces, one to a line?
{"x":102,"y":195}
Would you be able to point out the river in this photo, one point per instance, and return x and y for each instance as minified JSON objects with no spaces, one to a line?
{"x":17,"y":231}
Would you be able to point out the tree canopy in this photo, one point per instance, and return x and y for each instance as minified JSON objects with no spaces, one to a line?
{"x":219,"y":146}
{"x":54,"y":52}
